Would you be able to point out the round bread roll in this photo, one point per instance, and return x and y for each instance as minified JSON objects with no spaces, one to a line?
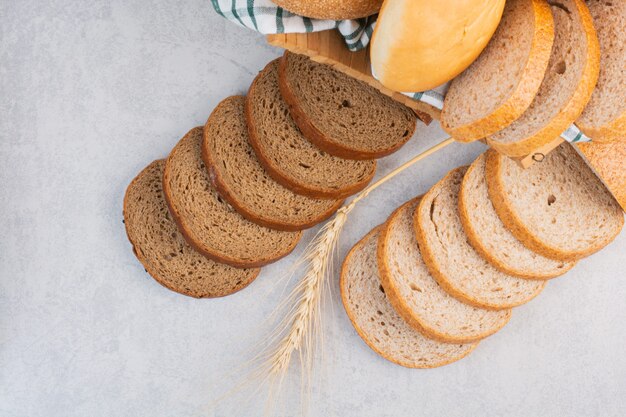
{"x":420,"y":44}
{"x":332,"y":9}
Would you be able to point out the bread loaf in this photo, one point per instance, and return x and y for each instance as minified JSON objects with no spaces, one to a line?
{"x":331,"y":9}
{"x":207,"y":221}
{"x":557,"y":208}
{"x":500,"y":85}
{"x":417,"y":296}
{"x":376,"y":321}
{"x":566,"y":88}
{"x":163,"y":251}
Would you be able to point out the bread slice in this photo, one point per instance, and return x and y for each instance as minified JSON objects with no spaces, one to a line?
{"x":487,"y":234}
{"x":607,"y":162}
{"x":207,"y":221}
{"x":566,"y":88}
{"x":453,"y":262}
{"x":289,"y":157}
{"x":163,"y":251}
{"x":500,"y":85}
{"x":340,"y":114}
{"x":377,"y":322}
{"x":417,"y":296}
{"x":557,"y":208}
{"x":238,"y":176}
{"x":604,"y":118}
{"x":331,"y":9}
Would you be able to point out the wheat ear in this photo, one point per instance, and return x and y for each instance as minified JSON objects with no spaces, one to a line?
{"x":303,"y":326}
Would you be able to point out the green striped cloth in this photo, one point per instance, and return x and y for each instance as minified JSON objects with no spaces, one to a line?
{"x":266,"y":17}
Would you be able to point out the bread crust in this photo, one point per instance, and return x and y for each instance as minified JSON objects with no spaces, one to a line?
{"x":331,"y":9}
{"x":574,"y":107}
{"x":513,"y":222}
{"x":204,"y":250}
{"x":526,"y":89}
{"x":224,"y":190}
{"x":148,"y":267}
{"x":284,"y":180}
{"x":607,"y":161}
{"x":313,"y":134}
{"x":485,"y":253}
{"x":361,"y":333}
{"x":400,"y":305}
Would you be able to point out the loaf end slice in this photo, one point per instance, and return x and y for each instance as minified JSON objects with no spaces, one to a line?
{"x":207,"y":221}
{"x":566,"y":88}
{"x":341,"y":115}
{"x":163,"y":251}
{"x":453,"y":262}
{"x":487,"y":234}
{"x":238,"y":176}
{"x":416,"y":295}
{"x":607,"y":162}
{"x":287,"y":155}
{"x":501,"y":84}
{"x":557,"y":208}
{"x":604,"y":118}
{"x":377,"y":322}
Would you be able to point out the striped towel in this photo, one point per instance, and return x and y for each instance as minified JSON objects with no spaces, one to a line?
{"x":267,"y":18}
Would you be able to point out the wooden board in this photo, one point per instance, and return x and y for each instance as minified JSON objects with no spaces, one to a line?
{"x":328,"y":47}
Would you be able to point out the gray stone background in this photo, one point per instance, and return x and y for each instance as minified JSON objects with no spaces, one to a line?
{"x":90,"y":92}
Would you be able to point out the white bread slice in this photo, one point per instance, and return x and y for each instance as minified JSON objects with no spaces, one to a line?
{"x":487,"y":234}
{"x":557,"y":208}
{"x":377,"y":322}
{"x":453,"y":262}
{"x":450,"y":35}
{"x":604,"y":118}
{"x":417,"y":296}
{"x":500,"y":85}
{"x":566,"y":88}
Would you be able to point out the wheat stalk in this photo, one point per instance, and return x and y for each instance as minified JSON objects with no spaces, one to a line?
{"x":301,"y":328}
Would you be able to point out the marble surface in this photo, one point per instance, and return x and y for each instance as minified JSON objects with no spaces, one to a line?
{"x":92,"y":91}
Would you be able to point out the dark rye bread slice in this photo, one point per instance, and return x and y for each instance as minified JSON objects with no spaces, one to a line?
{"x":340,"y":114}
{"x":287,"y":155}
{"x":208,"y":222}
{"x":566,"y":88}
{"x":417,"y":296}
{"x":557,"y":208}
{"x":163,"y":251}
{"x":377,"y":322}
{"x":238,"y":176}
{"x":487,"y":234}
{"x":500,"y":85}
{"x":604,"y":118}
{"x":453,"y":262}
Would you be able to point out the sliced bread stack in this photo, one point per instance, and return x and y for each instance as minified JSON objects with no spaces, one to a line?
{"x":236,"y":194}
{"x":445,"y":269}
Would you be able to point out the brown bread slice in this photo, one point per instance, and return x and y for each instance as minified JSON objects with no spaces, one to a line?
{"x":453,"y":262}
{"x":416,"y":295}
{"x":163,"y":251}
{"x":287,"y":155}
{"x":566,"y":88}
{"x":500,"y":85}
{"x":487,"y":234}
{"x":238,"y":176}
{"x":557,"y":208}
{"x":377,"y":322}
{"x":340,"y":114}
{"x":607,"y":161}
{"x":604,"y":118}
{"x":209,"y":223}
